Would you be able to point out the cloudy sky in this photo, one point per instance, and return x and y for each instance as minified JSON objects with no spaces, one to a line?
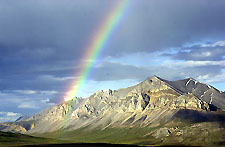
{"x":42,"y":42}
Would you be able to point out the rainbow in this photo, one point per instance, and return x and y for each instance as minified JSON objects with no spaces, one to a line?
{"x":96,"y":45}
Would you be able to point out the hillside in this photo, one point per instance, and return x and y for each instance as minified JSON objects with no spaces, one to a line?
{"x":155,"y":111}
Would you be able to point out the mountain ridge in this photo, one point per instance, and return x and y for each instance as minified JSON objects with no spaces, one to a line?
{"x":149,"y":103}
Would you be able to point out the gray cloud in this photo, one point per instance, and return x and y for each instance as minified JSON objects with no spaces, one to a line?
{"x":200,"y":53}
{"x":109,"y":71}
{"x":42,"y":42}
{"x":154,"y":25}
{"x":67,"y":26}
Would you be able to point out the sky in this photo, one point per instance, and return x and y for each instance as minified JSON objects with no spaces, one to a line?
{"x":42,"y":42}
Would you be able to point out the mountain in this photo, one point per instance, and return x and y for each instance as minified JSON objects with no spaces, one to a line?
{"x":155,"y":108}
{"x":204,"y":92}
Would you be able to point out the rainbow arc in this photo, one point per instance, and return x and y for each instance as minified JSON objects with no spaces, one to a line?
{"x":96,"y":46}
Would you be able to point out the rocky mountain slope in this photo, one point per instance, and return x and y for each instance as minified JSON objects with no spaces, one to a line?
{"x":151,"y":103}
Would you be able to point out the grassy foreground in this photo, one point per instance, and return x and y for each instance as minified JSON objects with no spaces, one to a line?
{"x":174,"y":133}
{"x":133,"y":136}
{"x":15,"y":139}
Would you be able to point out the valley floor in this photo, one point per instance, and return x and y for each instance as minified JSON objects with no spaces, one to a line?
{"x":194,"y":134}
{"x":188,"y":128}
{"x":197,"y":134}
{"x":82,"y":145}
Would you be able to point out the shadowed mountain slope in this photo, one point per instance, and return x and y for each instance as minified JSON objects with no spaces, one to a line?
{"x":204,"y":92}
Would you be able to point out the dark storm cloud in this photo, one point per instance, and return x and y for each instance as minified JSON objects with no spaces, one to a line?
{"x":154,"y":25}
{"x":66,"y":27}
{"x":42,"y":41}
{"x":42,"y":32}
{"x":44,"y":38}
{"x":42,"y":29}
{"x":42,"y":23}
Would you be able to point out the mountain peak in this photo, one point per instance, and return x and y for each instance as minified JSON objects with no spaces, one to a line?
{"x":154,"y":78}
{"x":146,"y":101}
{"x":151,"y":82}
{"x":191,"y":79}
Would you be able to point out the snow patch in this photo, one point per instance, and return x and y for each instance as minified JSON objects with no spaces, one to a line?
{"x":195,"y":82}
{"x":209,"y":86}
{"x":211,"y":98}
{"x":210,"y":101}
{"x":191,"y":80}
{"x":204,"y":93}
{"x":188,"y":82}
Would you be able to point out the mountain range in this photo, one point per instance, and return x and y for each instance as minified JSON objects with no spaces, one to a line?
{"x":155,"y":111}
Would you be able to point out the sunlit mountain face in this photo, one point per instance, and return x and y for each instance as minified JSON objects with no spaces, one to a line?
{"x":58,"y":53}
{"x":153,"y":112}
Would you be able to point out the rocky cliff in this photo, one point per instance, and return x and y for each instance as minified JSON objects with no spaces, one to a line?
{"x":150,"y":103}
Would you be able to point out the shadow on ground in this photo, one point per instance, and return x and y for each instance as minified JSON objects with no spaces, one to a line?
{"x":81,"y":145}
{"x":94,"y":145}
